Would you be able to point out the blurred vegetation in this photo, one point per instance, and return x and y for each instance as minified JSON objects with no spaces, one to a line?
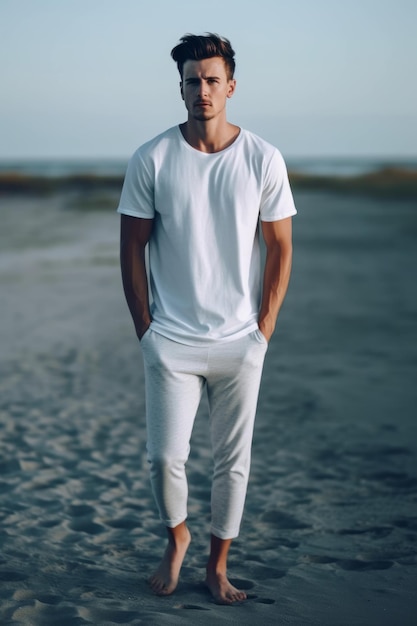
{"x":90,"y":192}
{"x":389,"y":182}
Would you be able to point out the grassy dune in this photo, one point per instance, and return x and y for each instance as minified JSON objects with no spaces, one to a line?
{"x":389,"y":182}
{"x":392,"y":182}
{"x":13,"y":182}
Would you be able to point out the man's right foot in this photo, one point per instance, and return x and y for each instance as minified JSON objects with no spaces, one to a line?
{"x":165,"y":580}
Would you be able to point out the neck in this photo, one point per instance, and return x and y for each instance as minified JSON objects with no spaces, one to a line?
{"x":212,"y":136}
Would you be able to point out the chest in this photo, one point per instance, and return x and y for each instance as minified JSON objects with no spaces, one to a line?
{"x":211,"y":188}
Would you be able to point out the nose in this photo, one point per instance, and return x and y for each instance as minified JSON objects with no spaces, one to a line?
{"x":201,"y":88}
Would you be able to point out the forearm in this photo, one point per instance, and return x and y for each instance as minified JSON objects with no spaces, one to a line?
{"x":276,"y":278}
{"x":135,"y":285}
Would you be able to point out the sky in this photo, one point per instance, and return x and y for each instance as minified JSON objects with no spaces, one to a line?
{"x":317,"y":78}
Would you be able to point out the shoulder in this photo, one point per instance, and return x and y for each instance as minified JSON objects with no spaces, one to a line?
{"x":262,"y":152}
{"x":259,"y":146}
{"x":159,"y":143}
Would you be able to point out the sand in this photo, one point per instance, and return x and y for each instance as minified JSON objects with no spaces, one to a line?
{"x":329,"y":533}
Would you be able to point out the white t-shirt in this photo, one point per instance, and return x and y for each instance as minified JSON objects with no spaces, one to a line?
{"x":204,"y":255}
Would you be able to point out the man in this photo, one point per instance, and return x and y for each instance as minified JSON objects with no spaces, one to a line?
{"x":198,"y":194}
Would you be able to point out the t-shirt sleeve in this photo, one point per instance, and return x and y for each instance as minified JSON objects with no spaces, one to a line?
{"x":137,"y":197}
{"x":277,"y":201}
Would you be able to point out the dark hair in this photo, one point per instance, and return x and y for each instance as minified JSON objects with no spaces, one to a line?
{"x":197,"y":47}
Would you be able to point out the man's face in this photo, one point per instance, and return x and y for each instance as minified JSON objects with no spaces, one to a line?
{"x":205,"y":88}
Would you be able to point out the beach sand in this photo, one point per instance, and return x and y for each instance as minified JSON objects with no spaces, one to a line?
{"x":330,"y":527}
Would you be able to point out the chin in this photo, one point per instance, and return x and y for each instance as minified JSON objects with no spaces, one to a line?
{"x":202,"y":117}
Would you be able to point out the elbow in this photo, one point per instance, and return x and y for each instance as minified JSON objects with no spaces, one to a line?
{"x":281,"y":251}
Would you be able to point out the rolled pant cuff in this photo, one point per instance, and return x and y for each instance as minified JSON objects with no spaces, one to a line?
{"x":173,"y":523}
{"x":224,"y":534}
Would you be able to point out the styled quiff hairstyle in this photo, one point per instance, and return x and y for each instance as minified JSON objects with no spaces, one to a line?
{"x":197,"y":47}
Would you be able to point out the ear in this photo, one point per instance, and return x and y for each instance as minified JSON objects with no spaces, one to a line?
{"x":232,"y":88}
{"x":181,"y":90}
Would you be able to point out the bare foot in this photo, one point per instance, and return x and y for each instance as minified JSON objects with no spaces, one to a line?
{"x":165,"y":580}
{"x":222,"y":590}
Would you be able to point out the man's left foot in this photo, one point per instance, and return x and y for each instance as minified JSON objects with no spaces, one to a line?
{"x":222,"y":590}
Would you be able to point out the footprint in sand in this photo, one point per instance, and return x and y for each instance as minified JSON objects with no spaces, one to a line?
{"x":282,"y":520}
{"x":12,"y":576}
{"x":408,"y":523}
{"x":262,"y":572}
{"x":358,"y":565}
{"x":86,"y":526}
{"x":82,"y":519}
{"x":363,"y":566}
{"x":242,"y":584}
{"x":317,"y":558}
{"x":265,"y":601}
{"x":376,"y":532}
{"x":193,"y":607}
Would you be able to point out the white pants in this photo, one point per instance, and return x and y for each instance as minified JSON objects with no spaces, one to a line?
{"x":175,"y":376}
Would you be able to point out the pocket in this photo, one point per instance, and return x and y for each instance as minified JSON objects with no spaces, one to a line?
{"x":145,"y":335}
{"x":260,"y":337}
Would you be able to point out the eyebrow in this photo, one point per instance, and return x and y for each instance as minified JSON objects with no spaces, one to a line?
{"x":193,"y":78}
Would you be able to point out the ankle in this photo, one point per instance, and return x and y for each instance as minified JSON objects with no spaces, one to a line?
{"x":216,"y":568}
{"x":217,"y":561}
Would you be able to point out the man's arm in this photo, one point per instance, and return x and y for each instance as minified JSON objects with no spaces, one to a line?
{"x":278,"y":241}
{"x":135,"y":233}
